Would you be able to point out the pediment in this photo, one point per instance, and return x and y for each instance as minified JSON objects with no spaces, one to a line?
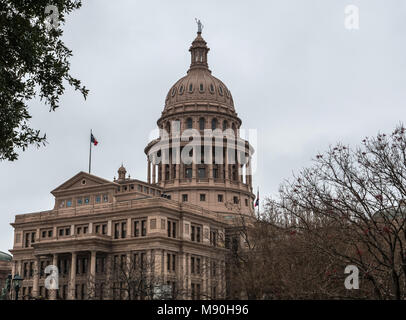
{"x":82,"y":180}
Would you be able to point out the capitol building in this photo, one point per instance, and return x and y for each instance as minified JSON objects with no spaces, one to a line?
{"x":165,"y":237}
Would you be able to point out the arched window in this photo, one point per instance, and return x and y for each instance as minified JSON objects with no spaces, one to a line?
{"x":189,"y":123}
{"x":202,"y":124}
{"x":201,"y":87}
{"x":214,"y":124}
{"x":221,"y":90}
{"x":225,"y":124}
{"x":181,"y":89}
{"x":211,"y":88}
{"x":191,"y":87}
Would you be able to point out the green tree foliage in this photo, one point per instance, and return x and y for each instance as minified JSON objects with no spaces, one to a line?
{"x":34,"y":62}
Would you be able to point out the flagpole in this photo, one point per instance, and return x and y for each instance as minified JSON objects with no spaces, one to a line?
{"x":90,"y":150}
{"x":258,"y":198}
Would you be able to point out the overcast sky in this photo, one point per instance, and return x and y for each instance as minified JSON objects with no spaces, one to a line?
{"x":297,"y":75}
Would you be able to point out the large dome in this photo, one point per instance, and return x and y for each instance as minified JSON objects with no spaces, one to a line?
{"x":5,"y":256}
{"x":199,"y":85}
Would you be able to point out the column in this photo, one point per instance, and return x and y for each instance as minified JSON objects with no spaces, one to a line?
{"x":170,"y":165}
{"x":148,"y":170}
{"x":53,"y":293}
{"x":249,"y":173}
{"x":92,"y":278}
{"x":72,"y":280}
{"x":240,"y":173}
{"x":226,"y":164}
{"x":177,"y":162}
{"x":162,"y":172}
{"x":194,"y":164}
{"x":91,"y":228}
{"x":210,"y":166}
{"x":109,"y":228}
{"x":35,"y":286}
{"x":188,"y":279}
{"x":205,"y":267}
{"x":129,"y":225}
{"x":181,"y":170}
{"x":153,"y":171}
{"x":109,"y":274}
{"x":165,"y":265}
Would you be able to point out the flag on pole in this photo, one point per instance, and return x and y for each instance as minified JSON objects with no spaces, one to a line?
{"x":95,"y":142}
{"x":257,"y":201}
{"x":93,"y":139}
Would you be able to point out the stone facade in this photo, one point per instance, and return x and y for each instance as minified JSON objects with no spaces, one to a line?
{"x":130,"y":239}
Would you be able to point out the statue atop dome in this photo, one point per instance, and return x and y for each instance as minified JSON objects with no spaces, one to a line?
{"x":199,"y":25}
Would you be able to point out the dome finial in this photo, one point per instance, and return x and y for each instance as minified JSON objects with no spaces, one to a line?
{"x":121,"y":172}
{"x":199,"y":25}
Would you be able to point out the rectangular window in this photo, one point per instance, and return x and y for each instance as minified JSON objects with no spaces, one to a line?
{"x":27,"y":240}
{"x":198,"y":291}
{"x":123,"y":229}
{"x":235,"y":200}
{"x":197,"y":265}
{"x":69,"y":203}
{"x":140,"y":228}
{"x":136,"y":228}
{"x":116,"y":230}
{"x":215,"y":172}
{"x":153,"y":224}
{"x":105,"y":198}
{"x":220,"y":198}
{"x":213,"y":238}
{"x":31,"y":269}
{"x":184,"y":197}
{"x":188,"y":173}
{"x":84,"y":265}
{"x":143,"y":228}
{"x":171,"y":262}
{"x":87,"y":201}
{"x":213,"y":268}
{"x":196,"y":233}
{"x":202,"y":197}
{"x":202,"y":173}
{"x":104,"y":229}
{"x":171,"y":229}
{"x":98,"y":199}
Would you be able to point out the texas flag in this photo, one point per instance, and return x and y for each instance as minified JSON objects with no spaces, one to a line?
{"x":93,"y":139}
{"x":257,"y":201}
